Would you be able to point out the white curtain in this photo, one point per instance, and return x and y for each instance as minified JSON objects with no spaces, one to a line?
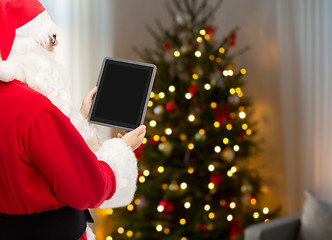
{"x":85,"y":38}
{"x":305,"y":43}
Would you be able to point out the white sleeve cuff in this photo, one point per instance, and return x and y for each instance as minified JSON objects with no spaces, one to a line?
{"x":123,"y":162}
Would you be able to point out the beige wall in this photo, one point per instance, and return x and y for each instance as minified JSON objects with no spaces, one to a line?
{"x":258,"y":29}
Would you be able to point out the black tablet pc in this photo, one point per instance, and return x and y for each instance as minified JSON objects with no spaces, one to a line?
{"x":123,"y":93}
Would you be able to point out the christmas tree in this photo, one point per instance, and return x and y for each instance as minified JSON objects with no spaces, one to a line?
{"x":194,"y":180}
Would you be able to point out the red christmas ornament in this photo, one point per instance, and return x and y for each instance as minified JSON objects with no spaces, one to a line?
{"x":232,"y":39}
{"x":235,"y":228}
{"x":138,"y":151}
{"x":209,"y":30}
{"x":168,"y":205}
{"x":201,"y":227}
{"x":170,"y":107}
{"x":153,"y":142}
{"x":216,"y":179}
{"x":166,"y":46}
{"x":193,"y":90}
{"x":223,"y":113}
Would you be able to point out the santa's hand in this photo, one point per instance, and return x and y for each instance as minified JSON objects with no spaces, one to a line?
{"x":134,"y":138}
{"x":86,"y":103}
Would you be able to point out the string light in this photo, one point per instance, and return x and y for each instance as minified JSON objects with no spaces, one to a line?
{"x":253,"y":201}
{"x":201,"y":132}
{"x":187,"y":205}
{"x":243,"y":71}
{"x":146,"y":173}
{"x":242,"y":115}
{"x":145,"y":140}
{"x":225,"y":141}
{"x":130,"y":207}
{"x":248,"y":132}
{"x":238,"y":90}
{"x":207,"y":207}
{"x":183,"y":137}
{"x":159,"y":228}
{"x":198,"y":53}
{"x":232,"y":205}
{"x":211,"y":215}
{"x":109,"y":211}
{"x":211,"y":167}
{"x":166,"y":231}
{"x":234,"y":169}
{"x":195,"y":76}
{"x":182,"y":221}
{"x":168,"y":131}
{"x":207,"y":36}
{"x":232,"y":91}
{"x":218,"y":60}
{"x":229,"y":173}
{"x":141,"y":179}
{"x":183,"y":186}
{"x":244,"y":126}
{"x":165,"y":186}
{"x":191,"y":118}
{"x":236,"y":148}
{"x":163,"y":139}
{"x":207,"y":86}
{"x":153,"y":123}
{"x":211,"y":57}
{"x":221,"y":50}
{"x":213,"y":105}
{"x":211,"y":186}
{"x":191,"y":146}
{"x":152,"y":95}
{"x":160,"y":208}
{"x":109,"y":238}
{"x":177,"y":54}
{"x":217,"y":149}
{"x":171,"y":88}
{"x":266,"y":210}
{"x":229,"y":217}
{"x":216,"y":124}
{"x":150,"y":104}
{"x":120,"y":230}
{"x":188,"y":96}
{"x":161,"y":169}
{"x":137,"y":201}
{"x":162,"y":95}
{"x":256,"y":215}
{"x":199,"y":39}
{"x":130,"y":233}
{"x":156,"y":138}
{"x":202,"y":32}
{"x":229,"y":126}
{"x":190,"y":170}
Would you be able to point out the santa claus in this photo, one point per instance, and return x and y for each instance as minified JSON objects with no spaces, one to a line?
{"x":52,"y":165}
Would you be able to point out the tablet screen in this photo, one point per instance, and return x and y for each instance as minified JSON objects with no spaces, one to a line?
{"x":123,"y":92}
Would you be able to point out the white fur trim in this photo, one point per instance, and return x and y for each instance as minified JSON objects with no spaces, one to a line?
{"x":39,"y":29}
{"x":89,"y":233}
{"x":123,"y":162}
{"x":7,"y":71}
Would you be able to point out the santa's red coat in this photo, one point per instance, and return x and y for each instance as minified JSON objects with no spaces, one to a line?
{"x":44,"y":162}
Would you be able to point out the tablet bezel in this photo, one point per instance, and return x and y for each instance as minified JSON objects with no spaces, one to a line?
{"x":151,"y":80}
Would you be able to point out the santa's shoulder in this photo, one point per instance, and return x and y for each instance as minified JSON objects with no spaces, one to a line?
{"x":16,"y":96}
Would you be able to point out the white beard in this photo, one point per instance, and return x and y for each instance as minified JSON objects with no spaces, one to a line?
{"x":39,"y":69}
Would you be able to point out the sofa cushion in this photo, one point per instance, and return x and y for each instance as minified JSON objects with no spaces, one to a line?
{"x":316,"y":219}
